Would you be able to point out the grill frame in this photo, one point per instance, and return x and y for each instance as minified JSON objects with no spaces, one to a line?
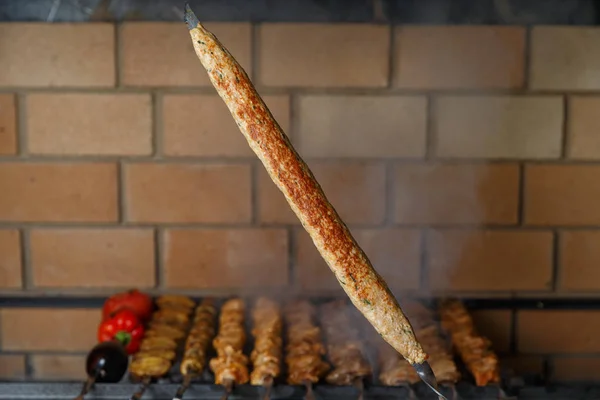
{"x":511,"y":387}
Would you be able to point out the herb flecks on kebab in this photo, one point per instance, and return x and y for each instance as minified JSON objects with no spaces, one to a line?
{"x":344,"y":347}
{"x":267,"y":354}
{"x":395,"y":371}
{"x":197,"y":344}
{"x":230,"y":366}
{"x":474,"y":350}
{"x":166,"y":329}
{"x":305,"y":350}
{"x":352,"y":268}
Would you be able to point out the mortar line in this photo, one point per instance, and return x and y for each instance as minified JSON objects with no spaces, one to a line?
{"x":21,"y":110}
{"x":157,"y":125}
{"x":565,"y":142}
{"x":118,"y":54}
{"x":527,"y":58}
{"x":27,"y":268}
{"x":556,"y":275}
{"x":29,"y":366}
{"x":158,"y":260}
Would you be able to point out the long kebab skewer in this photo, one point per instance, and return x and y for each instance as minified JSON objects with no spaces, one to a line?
{"x":230,"y":365}
{"x":158,"y":349}
{"x":267,"y":354}
{"x":197,"y":344}
{"x":305,"y":348}
{"x":362,"y":283}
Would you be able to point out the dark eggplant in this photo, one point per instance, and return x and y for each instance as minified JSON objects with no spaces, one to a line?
{"x":107,"y":362}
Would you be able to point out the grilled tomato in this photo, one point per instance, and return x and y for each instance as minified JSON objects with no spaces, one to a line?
{"x":134,"y":300}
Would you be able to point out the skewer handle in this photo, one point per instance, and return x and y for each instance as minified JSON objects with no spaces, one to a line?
{"x":187,"y":380}
{"x":228,"y":386}
{"x":309,"y":391}
{"x":138,"y":395}
{"x":87,"y":385}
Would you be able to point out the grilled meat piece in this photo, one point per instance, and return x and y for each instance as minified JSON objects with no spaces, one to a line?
{"x":230,"y":364}
{"x":344,"y":349}
{"x":198,"y":340}
{"x":304,"y":349}
{"x":267,"y":353}
{"x":474,"y":349}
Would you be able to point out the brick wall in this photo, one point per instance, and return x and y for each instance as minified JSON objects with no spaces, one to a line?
{"x":465,"y":160}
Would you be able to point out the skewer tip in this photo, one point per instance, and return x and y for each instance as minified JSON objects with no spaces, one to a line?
{"x":426,"y":374}
{"x":189,"y":17}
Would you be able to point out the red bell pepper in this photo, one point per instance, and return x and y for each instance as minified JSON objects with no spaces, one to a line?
{"x":137,"y":301}
{"x":123,"y":326}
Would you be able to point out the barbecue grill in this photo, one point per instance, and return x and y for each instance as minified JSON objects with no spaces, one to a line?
{"x":511,"y":386}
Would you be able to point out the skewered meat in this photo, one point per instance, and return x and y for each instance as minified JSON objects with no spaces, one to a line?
{"x":198,"y":340}
{"x":344,"y":348}
{"x":362,"y":283}
{"x":230,"y":365}
{"x":396,"y":371}
{"x":474,"y":350}
{"x":304,"y":349}
{"x":267,"y":353}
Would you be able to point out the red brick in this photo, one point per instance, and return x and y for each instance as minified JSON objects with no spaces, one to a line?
{"x":453,"y":57}
{"x":58,"y":367}
{"x":225,"y":259}
{"x":558,"y":331}
{"x":57,"y":55}
{"x":456,"y":193}
{"x":98,"y":258}
{"x":323,"y":55}
{"x":48,"y":329}
{"x":499,"y":127}
{"x":10,"y":259}
{"x":161,"y":53}
{"x":187,"y":193}
{"x":564,"y":58}
{"x":58,"y":192}
{"x":356,"y":190}
{"x":89,"y":124}
{"x":579,"y":258}
{"x":496,"y":325}
{"x":361,"y":126}
{"x":8,"y":125}
{"x":394,"y":253}
{"x":12,"y":367}
{"x":583,"y":125}
{"x":565,"y":195}
{"x":506,"y":260}
{"x":572,"y":369}
{"x":215,"y":133}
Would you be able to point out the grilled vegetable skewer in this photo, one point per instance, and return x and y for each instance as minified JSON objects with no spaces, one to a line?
{"x":474,"y":349}
{"x":158,"y":349}
{"x":344,"y":348}
{"x":230,"y":366}
{"x":197,"y":344}
{"x":364,"y":286}
{"x":267,"y":354}
{"x":305,"y":348}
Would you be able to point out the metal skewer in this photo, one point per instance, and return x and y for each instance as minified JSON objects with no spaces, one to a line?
{"x":145,"y":383}
{"x":268,"y":387}
{"x":360,"y":385}
{"x":87,"y":385}
{"x":426,"y":374}
{"x":187,"y":381}
{"x":228,"y":384}
{"x":310,"y":395}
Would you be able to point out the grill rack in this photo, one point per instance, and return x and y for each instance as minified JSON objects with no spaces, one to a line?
{"x":532,"y":387}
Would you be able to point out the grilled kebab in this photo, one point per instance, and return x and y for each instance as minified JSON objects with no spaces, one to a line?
{"x":267,"y":353}
{"x":474,"y":349}
{"x":344,"y":348}
{"x":198,"y":340}
{"x":304,"y":348}
{"x":362,"y":283}
{"x":231,"y":364}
